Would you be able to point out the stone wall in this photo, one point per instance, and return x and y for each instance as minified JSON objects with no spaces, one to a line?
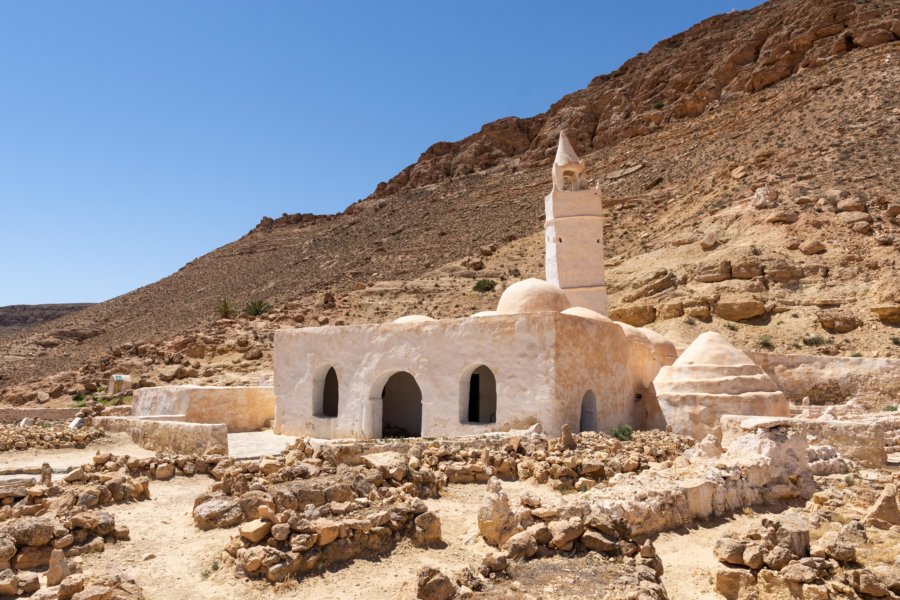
{"x":860,"y":441}
{"x":14,"y":415}
{"x":239,"y":408}
{"x":833,"y":379}
{"x":170,"y":436}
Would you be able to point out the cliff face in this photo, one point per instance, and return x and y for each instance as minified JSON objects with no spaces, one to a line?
{"x":19,"y":316}
{"x":748,"y":169}
{"x":698,"y":71}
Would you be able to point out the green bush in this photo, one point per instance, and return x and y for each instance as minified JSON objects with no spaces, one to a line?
{"x":225,"y":309}
{"x":890,"y":408}
{"x":658,"y":104}
{"x":622,"y":432}
{"x":485,"y":285}
{"x":814,"y":340}
{"x":731,"y":326}
{"x":895,"y":340}
{"x":766,"y":342}
{"x":257,"y":307}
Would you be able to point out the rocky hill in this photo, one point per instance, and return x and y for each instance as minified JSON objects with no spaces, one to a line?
{"x":750,"y":180}
{"x":19,"y":316}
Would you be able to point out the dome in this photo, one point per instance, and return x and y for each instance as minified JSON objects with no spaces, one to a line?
{"x":485,"y":313}
{"x":635,"y":335}
{"x":530,"y":296}
{"x":711,"y":348}
{"x":413,"y":319}
{"x":665,"y":349}
{"x":586,"y":313}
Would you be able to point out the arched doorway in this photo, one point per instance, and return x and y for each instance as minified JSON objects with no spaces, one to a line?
{"x":401,"y":407}
{"x":481,"y":400}
{"x":588,"y":420}
{"x":330,"y":394}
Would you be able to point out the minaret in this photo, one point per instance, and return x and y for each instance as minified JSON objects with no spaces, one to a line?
{"x":574,"y":230}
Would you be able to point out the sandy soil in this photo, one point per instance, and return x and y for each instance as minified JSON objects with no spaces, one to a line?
{"x":687,"y":554}
{"x":189,"y":563}
{"x":64,"y":459}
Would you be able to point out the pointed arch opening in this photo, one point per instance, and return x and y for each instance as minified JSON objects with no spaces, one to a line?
{"x":326,"y":393}
{"x":479,"y":396}
{"x":588,"y":421}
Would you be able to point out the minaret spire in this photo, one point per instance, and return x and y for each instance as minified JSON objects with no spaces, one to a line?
{"x":574,"y":232}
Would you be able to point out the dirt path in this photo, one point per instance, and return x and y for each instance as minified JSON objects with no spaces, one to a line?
{"x":188,"y":563}
{"x":65,"y":459}
{"x":688,"y":559}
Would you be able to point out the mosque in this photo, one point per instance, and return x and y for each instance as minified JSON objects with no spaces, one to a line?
{"x":548,"y":354}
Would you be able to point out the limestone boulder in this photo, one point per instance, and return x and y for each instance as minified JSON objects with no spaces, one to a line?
{"x":838,"y":321}
{"x":495,"y":518}
{"x":636,"y":315}
{"x":739,"y":308}
{"x":218,"y":512}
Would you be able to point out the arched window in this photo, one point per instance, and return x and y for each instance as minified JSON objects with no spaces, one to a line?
{"x":481,"y":397}
{"x":326,"y":394}
{"x":330,"y":394}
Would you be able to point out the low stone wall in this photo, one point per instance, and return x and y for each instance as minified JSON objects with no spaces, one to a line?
{"x":170,"y":436}
{"x":833,"y":379}
{"x":14,"y":415}
{"x":860,"y":441}
{"x":239,"y":408}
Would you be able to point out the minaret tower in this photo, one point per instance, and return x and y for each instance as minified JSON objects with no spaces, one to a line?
{"x":574,"y":232}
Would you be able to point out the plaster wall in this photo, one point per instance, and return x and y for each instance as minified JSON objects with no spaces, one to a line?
{"x":543,"y":363}
{"x":440,"y":355}
{"x":169,"y":436}
{"x":595,"y":356}
{"x":239,"y":408}
{"x":574,"y":247}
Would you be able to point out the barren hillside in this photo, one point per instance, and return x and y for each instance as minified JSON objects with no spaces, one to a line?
{"x":19,"y":316}
{"x":749,"y":167}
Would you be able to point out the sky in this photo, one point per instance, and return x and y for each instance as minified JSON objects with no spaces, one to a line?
{"x":137,"y":136}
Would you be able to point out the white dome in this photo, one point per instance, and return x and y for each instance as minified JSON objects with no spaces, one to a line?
{"x":413,"y":319}
{"x":665,"y":349}
{"x":530,"y":296}
{"x":586,"y":313}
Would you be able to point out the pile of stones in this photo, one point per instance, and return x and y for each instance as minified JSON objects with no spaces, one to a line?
{"x":45,"y":434}
{"x":777,"y":560}
{"x":28,"y":543}
{"x":533,"y":530}
{"x":297,"y":513}
{"x":572,"y":461}
{"x":162,"y":466}
{"x":45,"y":523}
{"x":824,"y":460}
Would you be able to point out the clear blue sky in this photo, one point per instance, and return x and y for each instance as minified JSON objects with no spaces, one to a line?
{"x":135,"y":137}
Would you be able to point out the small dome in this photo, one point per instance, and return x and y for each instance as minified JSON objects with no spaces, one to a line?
{"x":665,"y":349}
{"x":586,"y":313}
{"x":532,"y":295}
{"x":636,"y":335}
{"x":413,"y":319}
{"x":485,"y":313}
{"x":711,"y":348}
